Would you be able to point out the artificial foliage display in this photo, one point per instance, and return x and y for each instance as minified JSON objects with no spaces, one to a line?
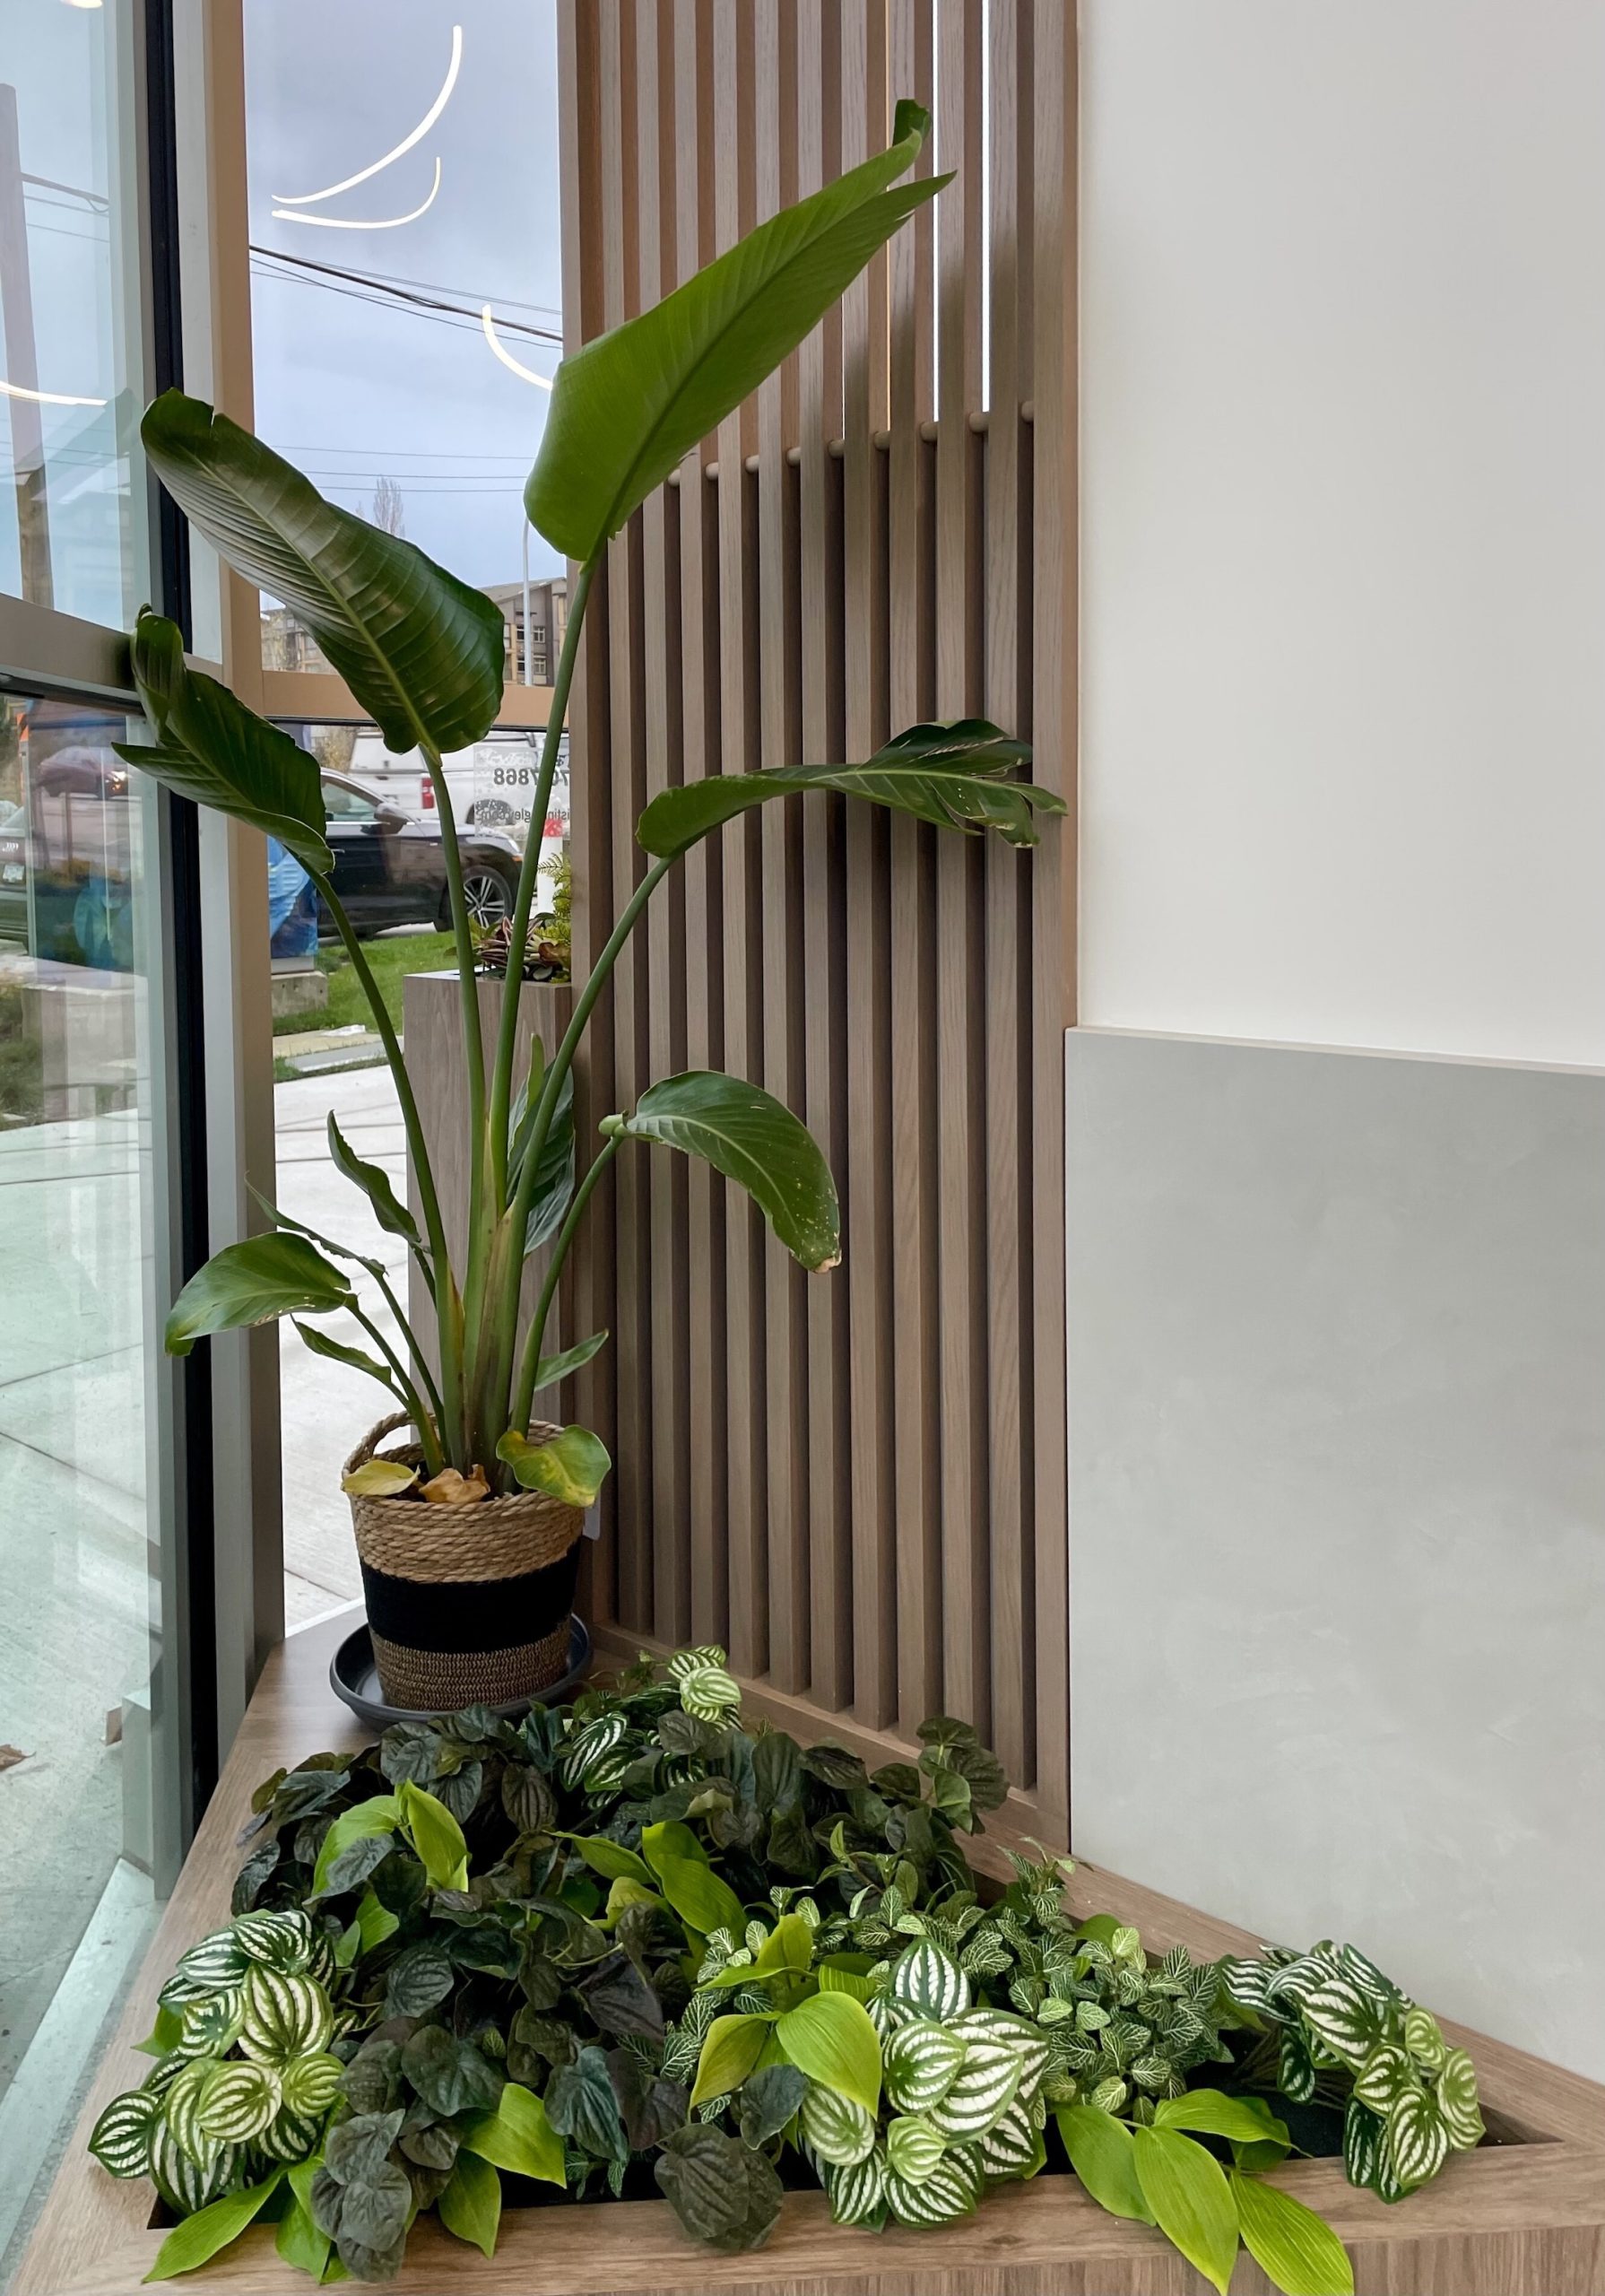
{"x":637,"y":1945}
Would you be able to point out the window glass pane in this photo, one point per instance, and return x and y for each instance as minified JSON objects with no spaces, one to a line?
{"x":83,"y":1720}
{"x":400,"y":190}
{"x":390,"y":874}
{"x":68,"y":405}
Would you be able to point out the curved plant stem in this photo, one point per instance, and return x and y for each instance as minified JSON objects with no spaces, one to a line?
{"x":563,"y":1060}
{"x":474,"y":1054}
{"x":447,"y":1304}
{"x":419,"y":1360}
{"x":427,"y":1434}
{"x":501,"y":1080}
{"x":529,"y":1363}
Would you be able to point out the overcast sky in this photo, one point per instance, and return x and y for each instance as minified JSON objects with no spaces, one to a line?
{"x":353,"y":389}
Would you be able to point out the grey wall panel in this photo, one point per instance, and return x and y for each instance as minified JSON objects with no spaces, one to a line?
{"x":1337,"y":1392}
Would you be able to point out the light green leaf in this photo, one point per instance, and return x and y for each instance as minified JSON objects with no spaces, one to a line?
{"x":1186,"y":2188}
{"x":375,"y":1185}
{"x":1457,"y":2100}
{"x":201,"y":2237}
{"x":835,"y":1976}
{"x":702,"y":1900}
{"x":471,"y":2204}
{"x":753,"y":1139}
{"x":213,"y":749}
{"x":378,"y":1478}
{"x":436,"y":1835}
{"x":731,"y":2049}
{"x":1207,"y":2112}
{"x":551,"y":1369}
{"x":610,"y":1858}
{"x":668,"y":1837}
{"x":337,"y":1351}
{"x":254,"y":1282}
{"x":625,"y":409}
{"x":422,"y":652}
{"x":1424,"y":2038}
{"x":518,"y":2137}
{"x":299,"y":2243}
{"x":1293,"y":2247}
{"x":380,"y":1814}
{"x":163,"y":2036}
{"x":956,"y":777}
{"x":789,"y":1947}
{"x":572,"y":1467}
{"x":829,"y":2037}
{"x":913,"y":2149}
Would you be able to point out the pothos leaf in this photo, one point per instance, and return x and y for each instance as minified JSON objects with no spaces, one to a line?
{"x":769,"y":2099}
{"x":724,"y":2193}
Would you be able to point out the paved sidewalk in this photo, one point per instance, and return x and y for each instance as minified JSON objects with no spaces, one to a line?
{"x":325,"y":1407}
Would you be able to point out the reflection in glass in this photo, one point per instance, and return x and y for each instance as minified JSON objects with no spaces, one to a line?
{"x":79,"y":1534}
{"x":399,"y":191}
{"x":68,"y":403}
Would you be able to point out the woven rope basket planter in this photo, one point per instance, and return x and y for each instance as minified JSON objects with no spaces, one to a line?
{"x":467,"y":1605}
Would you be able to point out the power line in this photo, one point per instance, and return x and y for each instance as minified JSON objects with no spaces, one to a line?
{"x":375,"y":285}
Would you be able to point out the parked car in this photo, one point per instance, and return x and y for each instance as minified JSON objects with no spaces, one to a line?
{"x":390,"y":867}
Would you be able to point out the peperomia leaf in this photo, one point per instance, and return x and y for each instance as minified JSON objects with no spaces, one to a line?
{"x":121,"y":2138}
{"x":201,"y":2237}
{"x":580,"y":2104}
{"x":417,"y":1980}
{"x":836,"y":2128}
{"x":1187,"y":2190}
{"x":769,"y":2100}
{"x":725,"y":2194}
{"x":1293,"y":2247}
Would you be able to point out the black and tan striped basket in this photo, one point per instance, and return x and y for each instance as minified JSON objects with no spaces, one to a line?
{"x":467,"y":1605}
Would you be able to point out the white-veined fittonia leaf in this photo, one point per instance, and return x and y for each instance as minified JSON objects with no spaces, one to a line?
{"x":1386,"y":2076}
{"x":1457,"y":2101}
{"x":1011,"y":2146}
{"x":121,"y":2139}
{"x":919,"y":2063}
{"x":858,"y":2193}
{"x":311,"y":2084}
{"x":284,"y":2016}
{"x":241,"y":2099}
{"x":981,"y":2091}
{"x":283,"y":1941}
{"x":1417,"y":2139}
{"x":914,"y":2150}
{"x":836,"y":2128}
{"x":930,"y":1982}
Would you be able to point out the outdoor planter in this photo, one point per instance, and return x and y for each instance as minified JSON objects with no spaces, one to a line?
{"x":1522,"y":2216}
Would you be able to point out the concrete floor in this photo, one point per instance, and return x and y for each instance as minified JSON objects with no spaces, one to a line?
{"x":325,"y":1407}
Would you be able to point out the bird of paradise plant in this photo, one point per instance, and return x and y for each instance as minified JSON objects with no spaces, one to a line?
{"x":423,"y":654}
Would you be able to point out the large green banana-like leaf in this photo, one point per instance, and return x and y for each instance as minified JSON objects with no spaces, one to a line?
{"x":211,"y":748}
{"x":948,"y":775}
{"x":626,"y":408}
{"x":421,"y":650}
{"x":751,"y":1138}
{"x":253,"y":1282}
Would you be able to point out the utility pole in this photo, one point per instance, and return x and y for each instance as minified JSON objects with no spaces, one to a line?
{"x":22,"y":364}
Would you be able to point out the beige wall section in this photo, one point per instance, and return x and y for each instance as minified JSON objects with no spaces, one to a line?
{"x":1343,"y":319}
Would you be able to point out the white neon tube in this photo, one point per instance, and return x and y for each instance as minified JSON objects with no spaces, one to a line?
{"x":313,"y":198}
{"x":361,"y":223}
{"x":506,"y":356}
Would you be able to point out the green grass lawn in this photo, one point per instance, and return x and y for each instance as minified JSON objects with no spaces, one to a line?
{"x":392,"y":961}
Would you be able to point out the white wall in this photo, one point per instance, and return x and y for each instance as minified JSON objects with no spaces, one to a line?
{"x":1343,"y":764}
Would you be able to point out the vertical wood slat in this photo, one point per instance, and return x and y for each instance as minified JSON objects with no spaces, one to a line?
{"x":816,"y":69}
{"x":856,"y":1482}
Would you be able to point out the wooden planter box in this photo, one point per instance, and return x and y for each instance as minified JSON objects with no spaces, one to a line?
{"x":1522,"y":2217}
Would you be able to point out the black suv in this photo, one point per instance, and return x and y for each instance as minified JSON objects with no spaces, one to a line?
{"x":390,"y":868}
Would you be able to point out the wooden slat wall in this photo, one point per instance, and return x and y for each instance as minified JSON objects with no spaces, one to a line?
{"x":857,"y":1483}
